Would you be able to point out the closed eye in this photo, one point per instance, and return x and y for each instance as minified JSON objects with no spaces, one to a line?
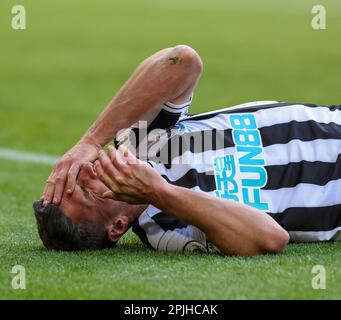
{"x":85,"y":192}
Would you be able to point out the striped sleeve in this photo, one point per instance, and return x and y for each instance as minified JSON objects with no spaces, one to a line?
{"x":167,"y":116}
{"x":163,"y":232}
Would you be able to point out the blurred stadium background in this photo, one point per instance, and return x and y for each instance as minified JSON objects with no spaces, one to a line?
{"x":58,"y":74}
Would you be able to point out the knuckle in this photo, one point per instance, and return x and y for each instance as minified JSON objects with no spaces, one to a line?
{"x":59,"y":179}
{"x":135,"y":167}
{"x":59,"y":165}
{"x":66,"y":157}
{"x":119,"y":179}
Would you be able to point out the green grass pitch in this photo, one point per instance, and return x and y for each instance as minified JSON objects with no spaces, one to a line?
{"x":59,"y":73}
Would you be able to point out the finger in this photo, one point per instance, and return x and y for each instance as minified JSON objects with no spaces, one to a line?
{"x":121,"y":155}
{"x":93,"y":172}
{"x":128,"y":156}
{"x":105,"y":178}
{"x":109,"y":195}
{"x":112,"y":153}
{"x":112,"y":172}
{"x":98,"y":168}
{"x":48,"y":192}
{"x":72,"y":177}
{"x":43,"y":195}
{"x":108,"y":182}
{"x":107,"y":165}
{"x":59,"y":187}
{"x":47,"y":186}
{"x":115,"y":158}
{"x":102,"y":175}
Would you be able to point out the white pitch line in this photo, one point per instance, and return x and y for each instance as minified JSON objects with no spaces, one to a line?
{"x":23,"y":156}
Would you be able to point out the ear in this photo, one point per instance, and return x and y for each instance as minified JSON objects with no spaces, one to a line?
{"x":117,"y":228}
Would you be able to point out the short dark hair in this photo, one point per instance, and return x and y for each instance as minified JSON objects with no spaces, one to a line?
{"x":58,"y":232}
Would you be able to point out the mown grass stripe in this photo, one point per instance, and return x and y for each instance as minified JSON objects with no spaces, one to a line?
{"x":24,"y":156}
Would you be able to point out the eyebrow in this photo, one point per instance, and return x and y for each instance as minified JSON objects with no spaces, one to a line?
{"x":85,"y":192}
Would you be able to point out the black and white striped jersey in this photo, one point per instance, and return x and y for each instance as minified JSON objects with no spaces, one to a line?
{"x":281,"y":158}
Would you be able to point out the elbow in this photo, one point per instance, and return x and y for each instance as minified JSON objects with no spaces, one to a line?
{"x":275,"y":242}
{"x":189,"y":57}
{"x":272,"y":242}
{"x":181,"y":66}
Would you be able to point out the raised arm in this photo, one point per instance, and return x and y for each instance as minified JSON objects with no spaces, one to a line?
{"x":169,"y":75}
{"x":236,"y":229}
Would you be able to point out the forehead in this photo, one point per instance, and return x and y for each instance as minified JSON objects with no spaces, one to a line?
{"x":77,"y":208}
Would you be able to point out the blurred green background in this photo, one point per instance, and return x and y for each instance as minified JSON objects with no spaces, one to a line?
{"x":58,"y":74}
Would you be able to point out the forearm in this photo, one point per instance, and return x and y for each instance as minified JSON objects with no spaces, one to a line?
{"x":233,"y":227}
{"x":169,"y":75}
{"x":155,"y":81}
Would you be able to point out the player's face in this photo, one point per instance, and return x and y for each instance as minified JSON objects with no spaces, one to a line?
{"x":86,"y":202}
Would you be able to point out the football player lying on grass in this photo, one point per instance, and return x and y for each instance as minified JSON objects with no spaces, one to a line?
{"x":243,"y":180}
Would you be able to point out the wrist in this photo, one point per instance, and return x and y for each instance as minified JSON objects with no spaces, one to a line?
{"x":87,"y":140}
{"x":99,"y":138}
{"x":163,"y":192}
